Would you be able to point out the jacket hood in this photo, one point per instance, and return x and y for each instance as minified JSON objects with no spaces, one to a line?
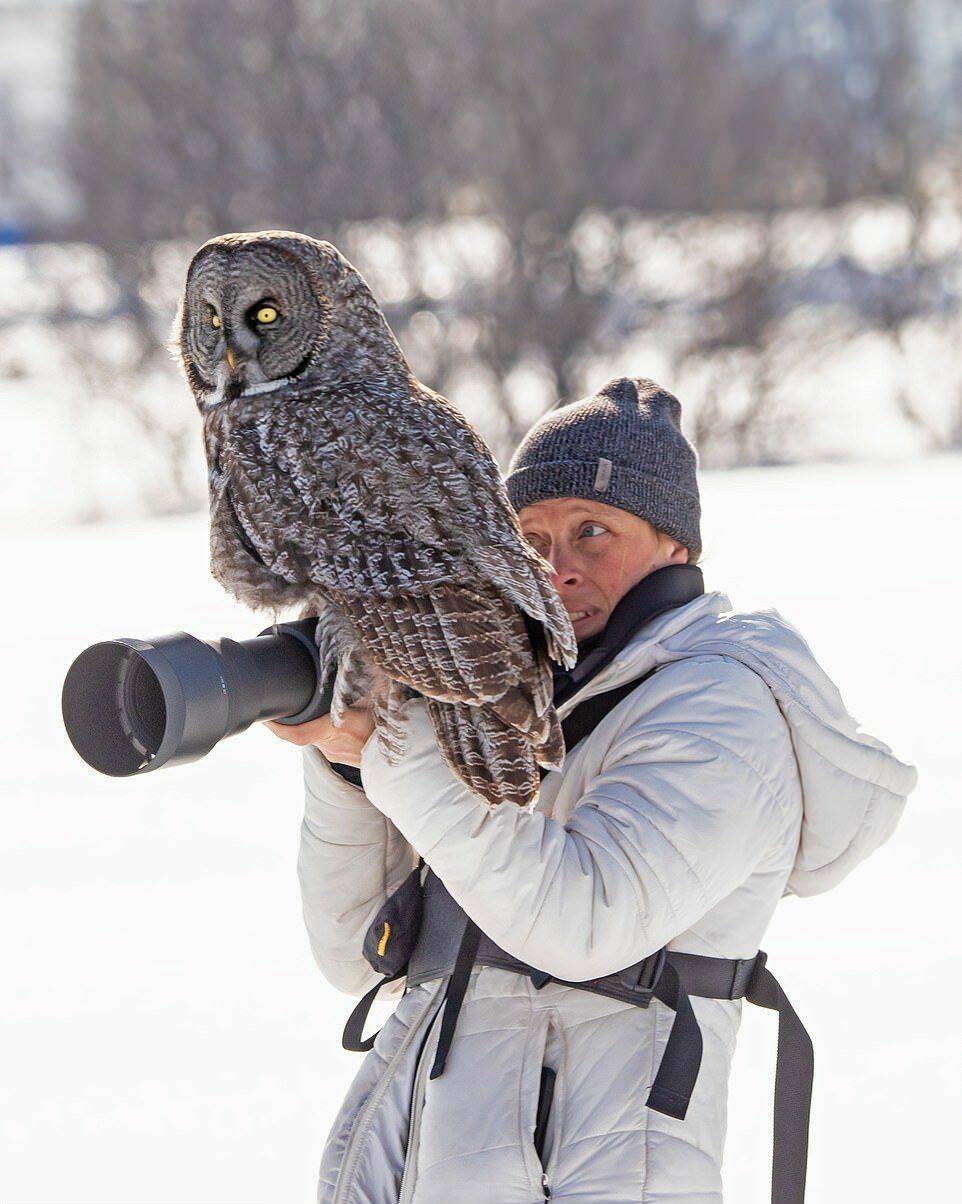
{"x":854,"y":788}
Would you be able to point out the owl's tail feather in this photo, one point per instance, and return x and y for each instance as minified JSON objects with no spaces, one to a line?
{"x":492,"y":758}
{"x":560,"y":636}
{"x":562,"y":645}
{"x":387,"y":719}
{"x":526,"y":711}
{"x":326,"y":636}
{"x":523,"y":577}
{"x":354,"y":681}
{"x":551,"y":752}
{"x":338,"y":648}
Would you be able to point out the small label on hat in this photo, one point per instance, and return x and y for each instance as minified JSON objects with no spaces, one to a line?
{"x":603,"y":475}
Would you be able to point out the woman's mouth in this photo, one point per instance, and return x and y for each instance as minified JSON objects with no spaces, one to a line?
{"x":578,"y":616}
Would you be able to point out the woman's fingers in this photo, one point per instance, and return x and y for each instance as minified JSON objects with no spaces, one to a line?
{"x":342,"y":744}
{"x":302,"y":733}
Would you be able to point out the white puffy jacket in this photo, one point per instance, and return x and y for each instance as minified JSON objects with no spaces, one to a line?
{"x":733,"y":776}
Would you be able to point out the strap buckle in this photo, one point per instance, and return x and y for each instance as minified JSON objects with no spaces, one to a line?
{"x":641,"y":979}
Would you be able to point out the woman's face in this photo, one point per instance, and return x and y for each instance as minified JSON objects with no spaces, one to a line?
{"x":597,"y":552}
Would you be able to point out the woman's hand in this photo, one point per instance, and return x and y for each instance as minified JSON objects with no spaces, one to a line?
{"x":341,"y":744}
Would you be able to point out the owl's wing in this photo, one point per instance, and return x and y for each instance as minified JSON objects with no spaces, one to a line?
{"x":455,"y":642}
{"x":422,"y":615}
{"x":391,"y":542}
{"x":411,"y":498}
{"x":446,"y":491}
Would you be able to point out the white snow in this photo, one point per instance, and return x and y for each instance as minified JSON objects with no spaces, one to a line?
{"x":165,"y":1036}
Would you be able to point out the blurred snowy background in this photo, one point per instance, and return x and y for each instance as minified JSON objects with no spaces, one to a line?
{"x":759,"y":204}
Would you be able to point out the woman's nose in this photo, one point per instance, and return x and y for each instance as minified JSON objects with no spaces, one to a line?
{"x":565,"y":574}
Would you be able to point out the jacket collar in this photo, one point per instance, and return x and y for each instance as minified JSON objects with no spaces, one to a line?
{"x":671,"y":586}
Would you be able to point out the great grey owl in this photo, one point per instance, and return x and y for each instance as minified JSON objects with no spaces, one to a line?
{"x":339,"y":482}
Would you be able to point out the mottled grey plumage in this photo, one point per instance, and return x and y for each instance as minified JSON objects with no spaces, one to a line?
{"x":340,"y":482}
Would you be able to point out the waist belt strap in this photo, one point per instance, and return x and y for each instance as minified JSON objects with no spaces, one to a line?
{"x":450,"y":944}
{"x":681,"y":975}
{"x":678,"y":1072}
{"x":794,"y":1072}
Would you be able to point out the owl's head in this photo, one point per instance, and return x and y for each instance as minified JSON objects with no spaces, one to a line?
{"x":265,"y":310}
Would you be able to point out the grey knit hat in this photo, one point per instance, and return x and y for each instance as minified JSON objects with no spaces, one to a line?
{"x":623,"y":447}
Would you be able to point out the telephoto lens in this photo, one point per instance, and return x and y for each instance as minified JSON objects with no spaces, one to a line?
{"x":131,"y":706}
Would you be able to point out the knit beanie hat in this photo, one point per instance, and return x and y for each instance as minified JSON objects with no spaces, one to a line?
{"x":623,"y":447}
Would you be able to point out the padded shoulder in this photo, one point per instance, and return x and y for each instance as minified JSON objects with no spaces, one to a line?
{"x":712,"y":698}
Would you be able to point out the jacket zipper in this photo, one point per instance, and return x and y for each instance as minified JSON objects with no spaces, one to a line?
{"x":345,"y":1178}
{"x":415,"y":1109}
{"x":545,"y":1099}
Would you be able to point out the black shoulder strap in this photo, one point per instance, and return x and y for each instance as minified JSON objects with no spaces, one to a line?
{"x":588,"y":714}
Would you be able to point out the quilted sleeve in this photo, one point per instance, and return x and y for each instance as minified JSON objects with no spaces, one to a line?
{"x":351,"y":858}
{"x":692,"y":784}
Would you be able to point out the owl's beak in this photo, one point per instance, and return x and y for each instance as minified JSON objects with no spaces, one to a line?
{"x":237,"y":368}
{"x":241,"y":371}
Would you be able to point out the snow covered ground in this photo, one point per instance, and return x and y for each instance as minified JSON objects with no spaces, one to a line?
{"x":165,"y":1036}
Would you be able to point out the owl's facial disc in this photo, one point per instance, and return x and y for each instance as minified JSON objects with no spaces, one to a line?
{"x":253,"y":324}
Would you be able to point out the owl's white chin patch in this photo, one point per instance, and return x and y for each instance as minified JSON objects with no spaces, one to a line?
{"x":217,"y":397}
{"x":265,"y":386}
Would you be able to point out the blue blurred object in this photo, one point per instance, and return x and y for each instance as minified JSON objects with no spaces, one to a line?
{"x":12,"y":234}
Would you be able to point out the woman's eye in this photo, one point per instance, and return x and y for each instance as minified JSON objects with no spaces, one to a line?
{"x":266,"y":315}
{"x":591,"y":529}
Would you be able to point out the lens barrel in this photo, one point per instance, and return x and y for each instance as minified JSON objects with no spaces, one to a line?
{"x":131,"y":706}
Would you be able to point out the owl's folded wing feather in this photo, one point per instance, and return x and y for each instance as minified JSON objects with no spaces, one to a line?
{"x":425,"y":614}
{"x":442,"y":486}
{"x":427,"y":486}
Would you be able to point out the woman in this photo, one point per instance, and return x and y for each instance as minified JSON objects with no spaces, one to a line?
{"x":729,"y":777}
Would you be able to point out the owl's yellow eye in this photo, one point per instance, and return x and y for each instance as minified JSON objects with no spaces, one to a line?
{"x":215,"y":321}
{"x":266,"y":315}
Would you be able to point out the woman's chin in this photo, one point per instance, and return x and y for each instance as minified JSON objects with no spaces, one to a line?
{"x":590,"y":625}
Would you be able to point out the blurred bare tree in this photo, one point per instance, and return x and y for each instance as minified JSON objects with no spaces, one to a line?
{"x":922,"y":176}
{"x":386,"y":126}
